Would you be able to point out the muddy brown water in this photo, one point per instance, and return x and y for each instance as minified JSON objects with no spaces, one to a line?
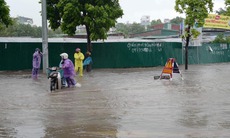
{"x":119,"y":103}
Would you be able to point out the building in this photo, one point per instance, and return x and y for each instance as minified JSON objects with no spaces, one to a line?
{"x":166,"y":20}
{"x":168,"y":26}
{"x":24,"y":20}
{"x":159,"y":30}
{"x":145,"y":20}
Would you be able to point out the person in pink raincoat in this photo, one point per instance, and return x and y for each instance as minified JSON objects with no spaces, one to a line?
{"x":68,"y":71}
{"x":37,"y":56}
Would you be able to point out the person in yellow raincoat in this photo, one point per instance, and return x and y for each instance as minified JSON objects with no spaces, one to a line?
{"x":79,"y":57}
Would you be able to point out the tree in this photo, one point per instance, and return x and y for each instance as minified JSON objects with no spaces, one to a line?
{"x":177,"y":20}
{"x":18,"y":30}
{"x":154,"y":22}
{"x":98,"y":16}
{"x":21,"y":30}
{"x":128,"y":29}
{"x":220,"y":38}
{"x":195,"y":11}
{"x":4,"y":14}
{"x":227,"y":12}
{"x":122,"y":28}
{"x":135,"y":28}
{"x":221,"y":11}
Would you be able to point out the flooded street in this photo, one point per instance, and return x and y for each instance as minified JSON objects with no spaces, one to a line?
{"x":119,"y":103}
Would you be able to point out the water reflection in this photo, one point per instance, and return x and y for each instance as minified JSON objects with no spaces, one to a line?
{"x":6,"y":132}
{"x":119,"y":103}
{"x":81,"y":113}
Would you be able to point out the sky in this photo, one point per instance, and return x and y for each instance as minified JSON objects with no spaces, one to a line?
{"x":133,"y":9}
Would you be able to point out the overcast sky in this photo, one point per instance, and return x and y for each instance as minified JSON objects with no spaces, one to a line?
{"x":133,"y":9}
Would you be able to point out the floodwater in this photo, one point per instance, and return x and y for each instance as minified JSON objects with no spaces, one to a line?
{"x":119,"y":103}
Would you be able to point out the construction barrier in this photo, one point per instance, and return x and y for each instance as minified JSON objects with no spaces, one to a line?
{"x":18,"y":55}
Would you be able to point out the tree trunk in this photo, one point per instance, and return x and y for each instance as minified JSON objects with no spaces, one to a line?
{"x":186,"y":48}
{"x":89,"y":44}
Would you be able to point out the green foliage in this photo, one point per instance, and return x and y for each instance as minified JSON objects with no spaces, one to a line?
{"x":21,"y":30}
{"x":195,"y":11}
{"x":97,"y":15}
{"x":227,"y":3}
{"x":177,"y":20}
{"x":221,"y":11}
{"x":194,"y":33}
{"x":25,"y":30}
{"x":122,"y":28}
{"x":220,"y":38}
{"x":128,"y":29}
{"x":136,"y":28}
{"x":154,"y":22}
{"x":4,"y":14}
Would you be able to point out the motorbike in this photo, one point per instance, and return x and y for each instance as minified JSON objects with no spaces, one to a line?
{"x":55,"y":79}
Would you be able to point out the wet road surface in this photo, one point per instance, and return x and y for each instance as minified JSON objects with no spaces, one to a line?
{"x":119,"y":103}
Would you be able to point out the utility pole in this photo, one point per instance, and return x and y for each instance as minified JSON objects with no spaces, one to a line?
{"x":186,"y":47}
{"x":44,"y":37}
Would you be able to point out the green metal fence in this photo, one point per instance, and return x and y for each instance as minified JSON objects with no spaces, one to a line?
{"x":18,"y":56}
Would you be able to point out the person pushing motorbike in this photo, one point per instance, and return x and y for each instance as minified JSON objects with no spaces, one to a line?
{"x":68,"y":71}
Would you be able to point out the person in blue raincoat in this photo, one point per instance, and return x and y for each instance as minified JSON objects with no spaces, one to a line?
{"x":68,"y":71}
{"x":88,"y":61}
{"x":37,"y":56}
